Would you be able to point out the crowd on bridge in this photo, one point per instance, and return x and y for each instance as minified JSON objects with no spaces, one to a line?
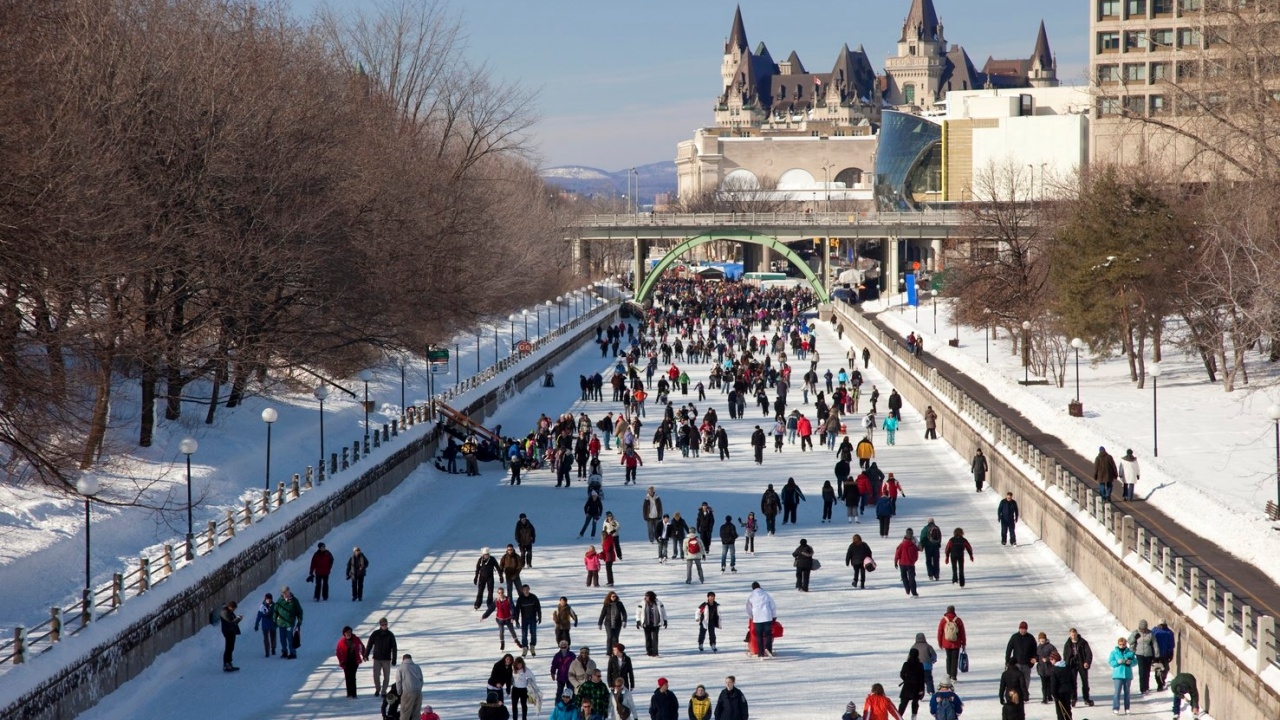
{"x":758,"y":343}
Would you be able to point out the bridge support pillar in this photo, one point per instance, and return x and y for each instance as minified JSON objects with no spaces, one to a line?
{"x":891,"y":263}
{"x":580,"y":251}
{"x":766,"y":260}
{"x":935,"y":246}
{"x":640,"y":266}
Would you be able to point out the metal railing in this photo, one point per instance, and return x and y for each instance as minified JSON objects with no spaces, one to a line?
{"x":951,"y":218}
{"x":70,"y":619}
{"x":1179,"y":577}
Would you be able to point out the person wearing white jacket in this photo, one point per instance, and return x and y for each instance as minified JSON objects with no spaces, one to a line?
{"x":409,"y":685}
{"x":524,"y":686}
{"x":621,"y":705}
{"x":762,"y":611}
{"x":651,"y":617}
{"x":1129,"y":474}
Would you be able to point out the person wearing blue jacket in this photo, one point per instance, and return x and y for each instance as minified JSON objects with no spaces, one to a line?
{"x":1122,"y":660}
{"x":1164,"y":652}
{"x":884,"y":513}
{"x":267,"y":625}
{"x":945,"y":704}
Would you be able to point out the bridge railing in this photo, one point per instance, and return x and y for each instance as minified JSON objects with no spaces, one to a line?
{"x":791,"y":219}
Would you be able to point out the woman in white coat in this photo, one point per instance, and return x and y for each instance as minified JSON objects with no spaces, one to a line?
{"x":651,"y":617}
{"x":1129,"y":474}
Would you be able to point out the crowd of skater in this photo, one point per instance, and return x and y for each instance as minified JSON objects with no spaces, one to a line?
{"x":760,"y":345}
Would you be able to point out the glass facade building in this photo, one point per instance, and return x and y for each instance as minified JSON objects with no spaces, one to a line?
{"x":908,"y":162}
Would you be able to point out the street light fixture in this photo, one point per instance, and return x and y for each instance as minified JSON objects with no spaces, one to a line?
{"x":1077,"y":343}
{"x":986,"y":334}
{"x":1274,"y":413}
{"x":1026,"y":352}
{"x":1154,"y":371}
{"x":525,"y":313}
{"x":559,"y":311}
{"x":512,"y":318}
{"x":87,"y":486}
{"x":321,"y":392}
{"x":269,"y":416}
{"x":188,"y":447}
{"x":366,"y":375}
{"x":548,"y":304}
{"x":403,"y":360}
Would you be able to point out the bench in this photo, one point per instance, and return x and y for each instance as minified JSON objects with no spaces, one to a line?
{"x":1273,"y":511}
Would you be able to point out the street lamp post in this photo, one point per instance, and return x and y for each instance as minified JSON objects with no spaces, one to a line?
{"x":269,"y":416}
{"x":512,"y":318}
{"x":1077,"y":343}
{"x":1274,"y":413}
{"x":187,"y":447}
{"x":559,"y":310}
{"x":478,"y":351}
{"x":366,"y":375}
{"x":1154,"y":371}
{"x":1026,"y":352}
{"x":986,"y":331}
{"x":321,"y":392}
{"x":548,"y":304}
{"x":525,"y":314}
{"x":403,"y":361}
{"x":87,"y":486}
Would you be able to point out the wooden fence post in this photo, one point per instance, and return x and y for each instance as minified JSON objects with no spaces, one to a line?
{"x":231,"y":523}
{"x":144,"y":575}
{"x":117,"y":590}
{"x":19,"y":645}
{"x":213,"y":535}
{"x":55,"y":624}
{"x":295,"y":488}
{"x":166,"y":560}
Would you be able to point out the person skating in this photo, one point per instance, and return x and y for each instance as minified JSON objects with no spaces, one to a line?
{"x":749,"y":527}
{"x":866,"y":452}
{"x":1007,"y":514}
{"x":803,"y":556}
{"x":728,"y":544}
{"x":732,"y":704}
{"x":620,"y":668}
{"x":852,"y":496}
{"x":594,"y":693}
{"x":560,"y":663}
{"x":1165,"y":644}
{"x":288,"y":619}
{"x":591,"y":561}
{"x":866,"y":358}
{"x":622,"y":706}
{"x":651,"y":512}
{"x":321,"y":567}
{"x":1013,"y":682}
{"x":610,"y":552}
{"x":757,"y":445}
{"x":694,"y":552}
{"x":930,"y":423}
{"x":509,"y":567}
{"x":522,"y":681}
{"x":566,"y":708}
{"x":708,"y":618}
{"x":978,"y":466}
{"x":486,"y":567}
{"x":525,"y":535}
{"x":581,"y":669}
{"x":1122,"y":661}
{"x":1012,"y":705}
{"x":1143,"y":645}
{"x":722,"y":442}
{"x":761,"y":613}
{"x":357,"y":566}
{"x":350,"y":653}
{"x":408,"y":684}
{"x":884,"y":514}
{"x":705,"y":522}
{"x":591,"y":511}
{"x":264,"y":623}
{"x":957,"y":548}
{"x":675,"y":534}
{"x":651,"y":617}
{"x":613,"y":617}
{"x":700,"y":704}
{"x":528,"y":611}
{"x":630,"y":460}
{"x":1045,"y":651}
{"x":791,"y":499}
{"x":563,"y":618}
{"x":945,"y":703}
{"x":913,"y":689}
{"x":1079,"y":656}
{"x":828,"y":500}
{"x":500,"y":677}
{"x":493,"y":708}
{"x":1021,"y":650}
{"x":931,"y":545}
{"x":905,"y":557}
{"x":952,"y":640}
{"x":857,"y":557}
{"x":664,"y":705}
{"x":230,"y":623}
{"x":878,"y":706}
{"x":770,"y":504}
{"x":381,"y":649}
{"x":928,"y":658}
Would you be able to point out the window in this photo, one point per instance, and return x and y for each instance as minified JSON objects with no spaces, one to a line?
{"x":909,"y":93}
{"x":1188,"y":70}
{"x":1162,"y":39}
{"x":1137,"y":8}
{"x":1135,"y":72}
{"x":1160,"y":72}
{"x":1108,"y":106}
{"x":1161,"y":7}
{"x":1108,"y":8}
{"x":1189,"y":6}
{"x":1135,"y":105}
{"x":1135,"y":40}
{"x":1108,"y":73}
{"x":1157,"y":105}
{"x":1188,"y":38}
{"x":1108,"y":42}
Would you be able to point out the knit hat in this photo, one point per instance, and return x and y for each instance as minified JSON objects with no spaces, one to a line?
{"x":1022,"y":625}
{"x":484,"y":551}
{"x":567,"y":692}
{"x":662,"y":681}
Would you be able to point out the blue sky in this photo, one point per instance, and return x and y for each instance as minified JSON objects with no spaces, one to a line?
{"x":620,"y":83}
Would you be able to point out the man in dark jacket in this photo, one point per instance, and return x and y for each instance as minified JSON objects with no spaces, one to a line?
{"x":509,"y":567}
{"x":931,"y":545}
{"x":1079,"y":657}
{"x":381,"y":648}
{"x":1021,"y":651}
{"x":895,"y":404}
{"x":321,"y":566}
{"x":528,"y":613}
{"x":732,"y":704}
{"x":664,"y":705}
{"x":722,"y":442}
{"x":979,"y":468}
{"x":620,"y":667}
{"x":728,"y":541}
{"x":357,"y":565}
{"x":757,"y":445}
{"x":1007,"y":514}
{"x":526,"y":536}
{"x":1104,"y":472}
{"x":705,"y":523}
{"x":230,"y":629}
{"x":791,"y":497}
{"x":770,"y":504}
{"x":486,"y":566}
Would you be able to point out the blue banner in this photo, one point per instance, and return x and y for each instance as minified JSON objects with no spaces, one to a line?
{"x":913,"y":297}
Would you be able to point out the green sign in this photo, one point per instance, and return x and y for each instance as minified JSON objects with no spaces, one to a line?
{"x":437,"y":356}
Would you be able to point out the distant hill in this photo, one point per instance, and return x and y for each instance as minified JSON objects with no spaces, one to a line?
{"x":654,"y":178}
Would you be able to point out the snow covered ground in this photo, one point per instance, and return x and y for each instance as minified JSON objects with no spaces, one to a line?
{"x":42,"y":535}
{"x":423,"y":540}
{"x":1217,"y":465}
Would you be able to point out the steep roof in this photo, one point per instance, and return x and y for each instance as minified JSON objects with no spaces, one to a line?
{"x":766,"y":65}
{"x":853,"y":75}
{"x":797,"y":67}
{"x":1042,"y":54}
{"x":960,"y":72}
{"x":737,"y":34}
{"x":921,"y":23}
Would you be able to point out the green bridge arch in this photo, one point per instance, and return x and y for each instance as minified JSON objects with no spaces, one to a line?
{"x":772,"y":243}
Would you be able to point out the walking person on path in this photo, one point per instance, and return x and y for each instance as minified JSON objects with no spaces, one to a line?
{"x":761,"y":612}
{"x":791,"y":499}
{"x":930,"y":423}
{"x":486,"y":566}
{"x":381,"y":648}
{"x":1044,"y":666}
{"x":952,"y":640}
{"x":1121,"y":661}
{"x":350,"y":652}
{"x":526,"y":535}
{"x":694,"y":552}
{"x":1129,"y":473}
{"x":728,"y":544}
{"x":979,"y":468}
{"x":230,"y":623}
{"x":904,"y":559}
{"x":957,"y":547}
{"x":1007,"y":514}
{"x":357,"y":566}
{"x":1105,"y":473}
{"x":1143,"y":645}
{"x":409,"y":685}
{"x":321,"y":567}
{"x":651,"y":617}
{"x":931,"y":545}
{"x":266,"y":625}
{"x":288,"y":619}
{"x":1079,"y":656}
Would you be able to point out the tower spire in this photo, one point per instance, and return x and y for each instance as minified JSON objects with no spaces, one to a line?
{"x":922,"y":22}
{"x":1042,"y":54}
{"x":737,"y":35}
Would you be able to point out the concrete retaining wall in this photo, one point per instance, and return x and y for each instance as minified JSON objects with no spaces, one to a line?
{"x":1229,"y":688}
{"x":106,"y":667}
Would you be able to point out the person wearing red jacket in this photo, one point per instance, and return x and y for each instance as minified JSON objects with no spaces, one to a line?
{"x":593,"y":447}
{"x":804,"y":429}
{"x":951,"y":639}
{"x":904,"y":558}
{"x":350,"y":653}
{"x":631,"y":460}
{"x":865,"y":494}
{"x":321,"y":566}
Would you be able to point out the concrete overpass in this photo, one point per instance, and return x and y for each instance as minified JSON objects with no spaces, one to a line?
{"x":905,"y":236}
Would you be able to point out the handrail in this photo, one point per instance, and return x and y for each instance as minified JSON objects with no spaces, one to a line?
{"x":792,"y":219}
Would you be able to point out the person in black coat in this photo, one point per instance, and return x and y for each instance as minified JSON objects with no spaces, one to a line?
{"x":664,"y":705}
{"x":912,"y":675}
{"x":1062,"y":686}
{"x":357,"y":566}
{"x":1021,"y":651}
{"x":230,"y":622}
{"x":732,"y":704}
{"x":804,"y":564}
{"x":1013,"y":680}
{"x":757,"y":445}
{"x":486,"y":566}
{"x":500,"y":678}
{"x":1079,"y":657}
{"x":856,"y":557}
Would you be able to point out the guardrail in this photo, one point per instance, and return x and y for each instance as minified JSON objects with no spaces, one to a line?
{"x":1257,"y":630}
{"x":929,"y":218}
{"x":68,"y":620}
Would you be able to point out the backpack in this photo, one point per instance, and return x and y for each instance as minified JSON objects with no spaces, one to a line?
{"x":946,"y":709}
{"x":935,"y":535}
{"x":693,"y":546}
{"x":951,"y":631}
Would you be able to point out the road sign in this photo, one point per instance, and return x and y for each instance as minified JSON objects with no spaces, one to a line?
{"x":439,"y":368}
{"x":437,"y":356}
{"x":525,"y":347}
